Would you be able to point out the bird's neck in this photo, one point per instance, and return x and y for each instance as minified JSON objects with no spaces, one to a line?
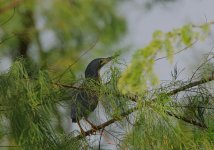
{"x":92,"y":74}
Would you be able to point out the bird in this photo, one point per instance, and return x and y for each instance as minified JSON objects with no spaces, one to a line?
{"x":86,"y":101}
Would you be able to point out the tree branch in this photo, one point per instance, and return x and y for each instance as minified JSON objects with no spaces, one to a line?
{"x":173,"y":92}
{"x":190,"y":85}
{"x":107,"y":123}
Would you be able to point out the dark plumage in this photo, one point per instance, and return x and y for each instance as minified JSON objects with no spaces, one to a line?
{"x":86,"y":101}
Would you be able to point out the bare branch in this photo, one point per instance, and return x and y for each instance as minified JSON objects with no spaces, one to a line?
{"x":190,"y":85}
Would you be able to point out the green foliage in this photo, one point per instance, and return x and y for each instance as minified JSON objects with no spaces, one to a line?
{"x":30,"y":96}
{"x":187,"y":34}
{"x":206,"y":70}
{"x":139,"y":74}
{"x":155,"y":130}
{"x":27,"y":104}
{"x":112,"y":101}
{"x":152,"y":133}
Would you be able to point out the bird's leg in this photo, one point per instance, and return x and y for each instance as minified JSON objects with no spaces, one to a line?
{"x":81,"y":129}
{"x":94,"y":127}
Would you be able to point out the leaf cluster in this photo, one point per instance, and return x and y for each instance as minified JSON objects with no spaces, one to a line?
{"x":140,"y":72}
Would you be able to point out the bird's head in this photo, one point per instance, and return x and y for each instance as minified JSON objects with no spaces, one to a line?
{"x":92,"y":70}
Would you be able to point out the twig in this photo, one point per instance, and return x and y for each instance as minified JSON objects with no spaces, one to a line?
{"x":207,"y":60}
{"x":12,"y":5}
{"x":11,"y":17}
{"x":101,"y":138}
{"x":191,"y":121}
{"x":185,"y":48}
{"x":75,"y":61}
{"x":199,"y":26}
{"x":67,"y":86}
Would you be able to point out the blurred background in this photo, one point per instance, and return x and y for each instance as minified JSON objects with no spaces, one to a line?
{"x":56,"y":35}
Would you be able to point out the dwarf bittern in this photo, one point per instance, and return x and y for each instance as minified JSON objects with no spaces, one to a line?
{"x":86,"y":101}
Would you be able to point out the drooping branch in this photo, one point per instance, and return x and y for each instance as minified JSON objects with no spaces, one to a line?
{"x":173,"y":92}
{"x":191,"y":121}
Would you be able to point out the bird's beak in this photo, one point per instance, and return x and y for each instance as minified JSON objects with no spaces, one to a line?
{"x":108,"y":59}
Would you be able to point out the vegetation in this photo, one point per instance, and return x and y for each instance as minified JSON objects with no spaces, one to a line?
{"x":139,"y":111}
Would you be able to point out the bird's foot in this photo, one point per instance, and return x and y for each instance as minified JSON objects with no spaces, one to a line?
{"x":94,"y":127}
